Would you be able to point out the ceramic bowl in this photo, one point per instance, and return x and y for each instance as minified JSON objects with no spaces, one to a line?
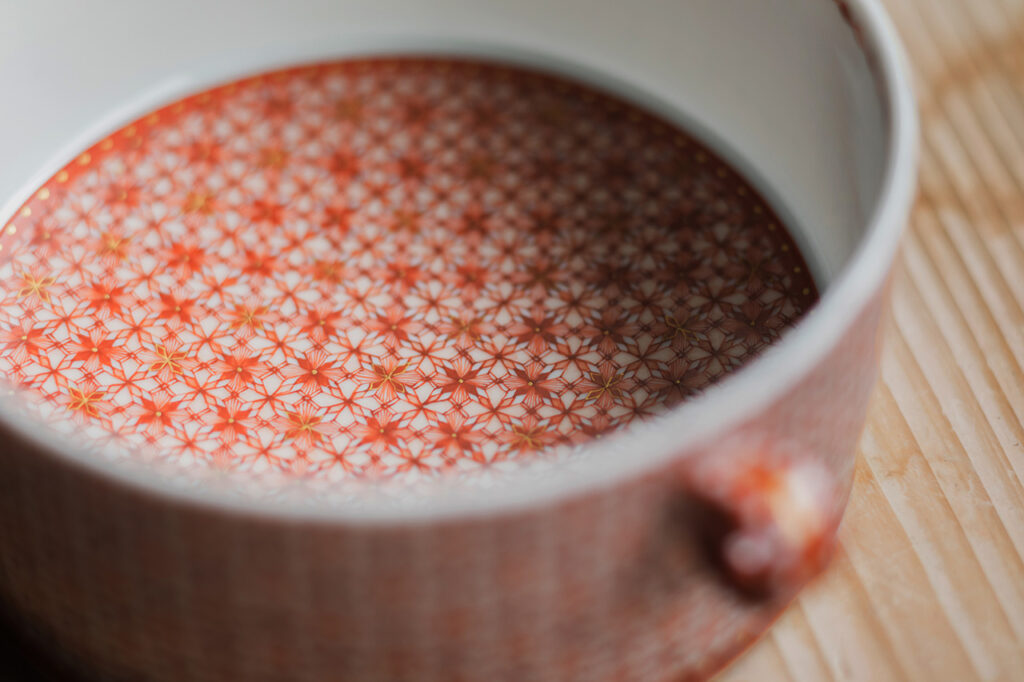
{"x":658,"y":552}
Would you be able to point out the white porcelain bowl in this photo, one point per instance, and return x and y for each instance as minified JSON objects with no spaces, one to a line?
{"x":590,"y":570}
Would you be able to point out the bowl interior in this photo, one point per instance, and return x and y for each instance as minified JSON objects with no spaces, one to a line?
{"x":780,"y":89}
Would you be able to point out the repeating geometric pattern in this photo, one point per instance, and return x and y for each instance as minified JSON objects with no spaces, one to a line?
{"x":387,"y":266}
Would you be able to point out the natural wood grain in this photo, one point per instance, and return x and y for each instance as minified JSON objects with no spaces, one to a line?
{"x":929,"y":581}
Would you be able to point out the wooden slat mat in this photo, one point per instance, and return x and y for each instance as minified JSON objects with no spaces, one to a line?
{"x":929,"y":580}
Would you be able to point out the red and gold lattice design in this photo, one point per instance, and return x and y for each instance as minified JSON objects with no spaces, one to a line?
{"x":392,"y":265}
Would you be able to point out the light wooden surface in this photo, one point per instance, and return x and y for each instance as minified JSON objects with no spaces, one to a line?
{"x":929,"y":580}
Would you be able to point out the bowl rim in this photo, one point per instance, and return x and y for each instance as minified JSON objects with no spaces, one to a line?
{"x":652,"y":442}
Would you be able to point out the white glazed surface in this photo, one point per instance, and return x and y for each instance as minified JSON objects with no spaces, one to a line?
{"x":782,"y":81}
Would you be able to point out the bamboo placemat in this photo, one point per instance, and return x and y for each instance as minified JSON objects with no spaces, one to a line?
{"x":929,"y":580}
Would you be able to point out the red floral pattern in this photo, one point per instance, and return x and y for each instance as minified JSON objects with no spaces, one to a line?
{"x":393,"y":265}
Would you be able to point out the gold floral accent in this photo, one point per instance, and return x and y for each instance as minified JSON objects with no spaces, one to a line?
{"x":37,"y":287}
{"x":168,"y":361}
{"x":85,"y":401}
{"x":199,"y":202}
